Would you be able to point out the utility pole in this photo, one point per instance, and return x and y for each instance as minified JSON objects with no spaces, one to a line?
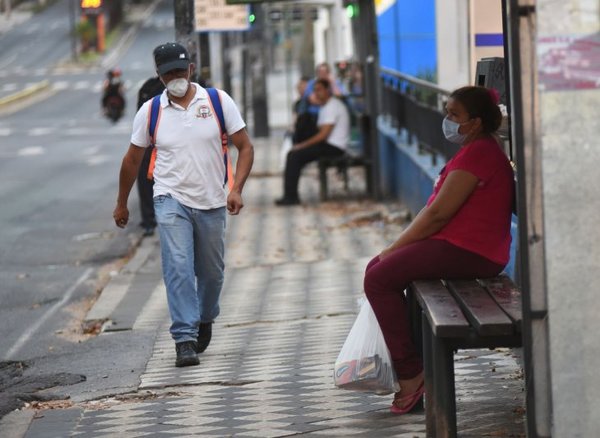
{"x":72,"y":19}
{"x":368,"y":51}
{"x":204,"y":72}
{"x":260,"y":108}
{"x":184,"y":28}
{"x":7,"y":8}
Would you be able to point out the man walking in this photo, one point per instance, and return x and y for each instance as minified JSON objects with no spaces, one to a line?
{"x":152,"y":87}
{"x":189,"y":194}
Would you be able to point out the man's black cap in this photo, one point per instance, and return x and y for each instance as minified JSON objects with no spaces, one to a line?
{"x":170,"y":56}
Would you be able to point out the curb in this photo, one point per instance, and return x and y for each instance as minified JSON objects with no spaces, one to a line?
{"x":116,"y":289}
{"x":26,"y":92}
{"x":15,"y":423}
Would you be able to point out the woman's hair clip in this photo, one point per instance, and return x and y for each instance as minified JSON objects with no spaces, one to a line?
{"x":494,"y":95}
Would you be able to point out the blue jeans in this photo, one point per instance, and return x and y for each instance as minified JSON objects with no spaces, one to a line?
{"x":192,"y":249}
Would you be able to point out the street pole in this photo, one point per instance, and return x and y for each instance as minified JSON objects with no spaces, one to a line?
{"x":204,"y":57}
{"x":7,"y":9}
{"x":368,"y":48}
{"x":225,"y":56}
{"x":288,"y":60}
{"x":260,"y":108}
{"x":307,"y":59}
{"x":72,"y":15}
{"x":245,"y":71}
{"x":184,"y":27}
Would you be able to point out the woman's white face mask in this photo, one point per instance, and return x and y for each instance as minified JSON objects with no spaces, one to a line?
{"x":451,"y":133}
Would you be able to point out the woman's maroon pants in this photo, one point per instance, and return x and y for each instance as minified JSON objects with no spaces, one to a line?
{"x":386,"y":280}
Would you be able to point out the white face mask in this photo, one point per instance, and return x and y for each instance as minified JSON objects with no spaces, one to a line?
{"x":451,"y":133}
{"x":178,"y":87}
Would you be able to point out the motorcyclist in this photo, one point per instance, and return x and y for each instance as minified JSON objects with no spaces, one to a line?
{"x":113,"y":90}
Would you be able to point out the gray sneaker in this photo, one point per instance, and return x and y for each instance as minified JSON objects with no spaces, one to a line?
{"x":186,"y":354}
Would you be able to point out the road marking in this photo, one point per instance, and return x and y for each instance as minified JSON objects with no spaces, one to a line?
{"x":92,"y":150}
{"x":30,"y":151}
{"x":60,"y":85}
{"x":77,"y":131}
{"x":38,"y":132}
{"x":35,"y":327}
{"x":81,"y":85}
{"x":97,"y":159}
{"x":9,"y":87}
{"x":5,"y":132}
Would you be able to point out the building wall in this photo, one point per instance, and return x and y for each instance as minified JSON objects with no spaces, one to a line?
{"x":333,"y":35}
{"x":453,"y":43}
{"x":485,"y":32}
{"x":568,"y":51}
{"x":407,"y":36}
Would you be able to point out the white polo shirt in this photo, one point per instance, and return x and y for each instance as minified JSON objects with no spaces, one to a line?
{"x":335,"y":113}
{"x":189,"y":152}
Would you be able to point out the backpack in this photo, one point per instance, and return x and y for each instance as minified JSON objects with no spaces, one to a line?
{"x":215,"y":102}
{"x":306,"y":122}
{"x":149,"y":89}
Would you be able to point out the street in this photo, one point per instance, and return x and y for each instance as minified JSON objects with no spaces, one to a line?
{"x":58,"y":184}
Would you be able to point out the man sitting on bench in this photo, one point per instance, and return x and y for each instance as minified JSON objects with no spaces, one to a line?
{"x":330,"y":141}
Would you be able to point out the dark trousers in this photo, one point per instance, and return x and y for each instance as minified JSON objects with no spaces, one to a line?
{"x":386,"y":280}
{"x":145,"y":188}
{"x":296,"y":160}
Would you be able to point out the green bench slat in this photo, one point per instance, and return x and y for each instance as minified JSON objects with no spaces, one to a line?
{"x":442,"y":311}
{"x":480,"y":308}
{"x":507,"y":295}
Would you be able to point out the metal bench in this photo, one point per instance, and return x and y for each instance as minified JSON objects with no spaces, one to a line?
{"x":459,"y":314}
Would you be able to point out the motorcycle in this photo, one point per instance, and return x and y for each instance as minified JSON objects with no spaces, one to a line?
{"x":113,"y":100}
{"x":114,"y":107}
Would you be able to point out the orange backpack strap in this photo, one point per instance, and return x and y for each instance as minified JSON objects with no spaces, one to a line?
{"x":215,"y":102}
{"x":153,"y":119}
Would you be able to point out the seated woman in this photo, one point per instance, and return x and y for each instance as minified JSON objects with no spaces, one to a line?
{"x":462,"y":232}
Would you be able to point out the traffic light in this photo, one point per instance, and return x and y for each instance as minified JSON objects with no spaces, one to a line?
{"x":90,"y":4}
{"x":352,"y":10}
{"x":251,"y":15}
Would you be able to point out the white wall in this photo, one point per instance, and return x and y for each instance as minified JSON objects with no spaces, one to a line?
{"x":570,"y":157}
{"x":457,"y":22}
{"x":452,"y":23}
{"x":333,"y":35}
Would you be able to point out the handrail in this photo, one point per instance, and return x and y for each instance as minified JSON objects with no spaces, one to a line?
{"x":416,"y":81}
{"x":417,"y":107}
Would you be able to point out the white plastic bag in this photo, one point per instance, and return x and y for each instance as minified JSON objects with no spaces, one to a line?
{"x":364,"y":363}
{"x":286,"y":146}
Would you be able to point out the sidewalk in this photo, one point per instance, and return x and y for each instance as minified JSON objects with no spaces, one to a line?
{"x":292,"y":279}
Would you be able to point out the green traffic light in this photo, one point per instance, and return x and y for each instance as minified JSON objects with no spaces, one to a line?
{"x":251,"y":18}
{"x":352,"y":11}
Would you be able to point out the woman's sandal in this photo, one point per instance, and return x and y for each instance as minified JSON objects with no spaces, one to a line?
{"x":399,"y":405}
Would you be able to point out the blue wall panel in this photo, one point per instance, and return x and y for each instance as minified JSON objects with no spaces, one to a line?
{"x":407,"y":37}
